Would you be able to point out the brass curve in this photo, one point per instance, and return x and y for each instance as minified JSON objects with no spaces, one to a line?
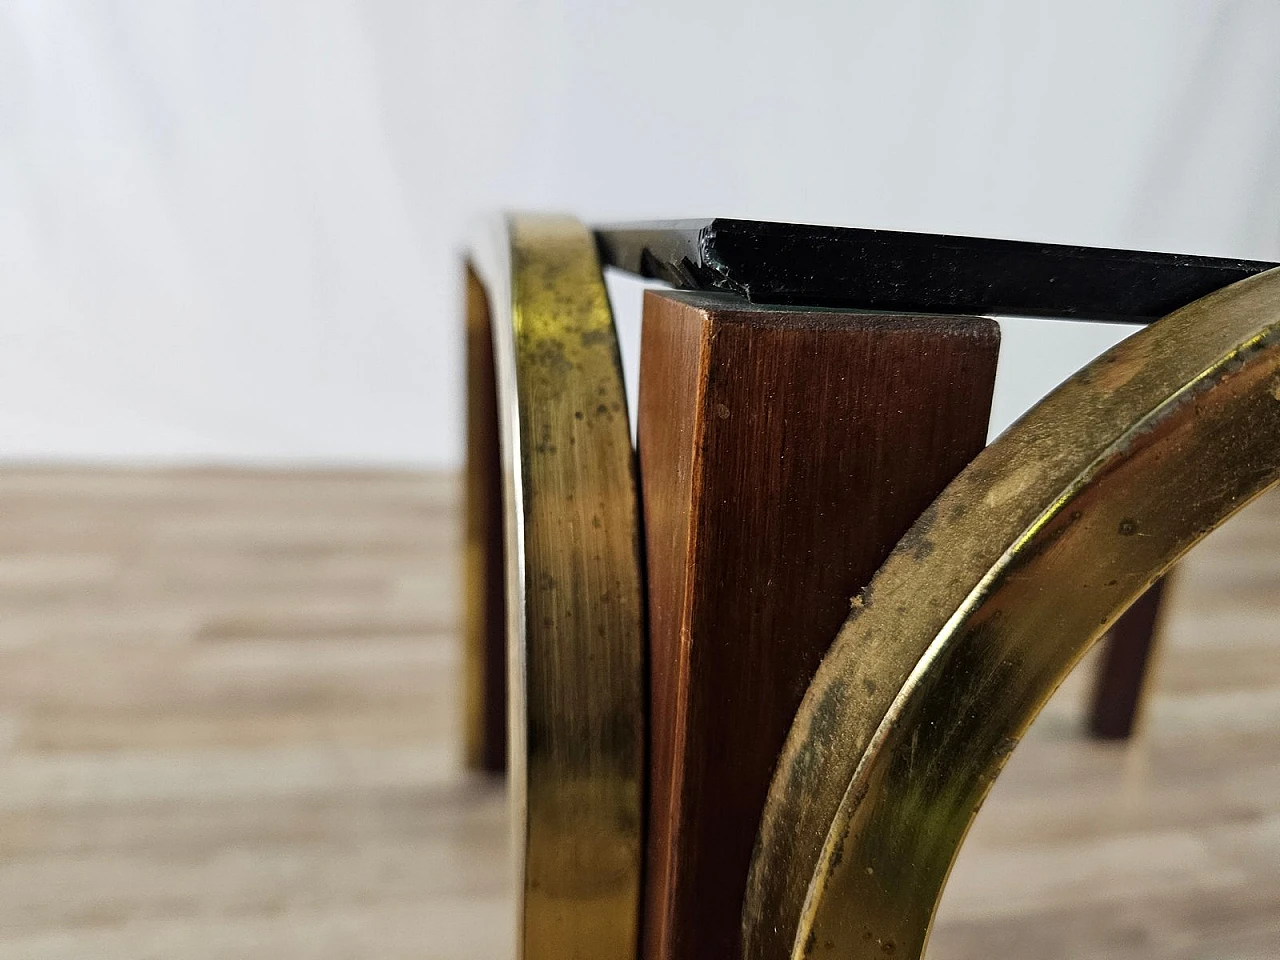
{"x":984,"y":607}
{"x":575,"y":620}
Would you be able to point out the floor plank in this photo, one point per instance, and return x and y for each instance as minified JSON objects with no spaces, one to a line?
{"x":229,"y":729}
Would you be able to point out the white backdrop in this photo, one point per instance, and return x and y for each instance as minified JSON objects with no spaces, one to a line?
{"x":228,"y":228}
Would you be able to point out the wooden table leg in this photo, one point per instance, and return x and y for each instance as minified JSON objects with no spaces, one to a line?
{"x":1123,"y":670}
{"x":783,"y":452}
{"x":485,"y":628}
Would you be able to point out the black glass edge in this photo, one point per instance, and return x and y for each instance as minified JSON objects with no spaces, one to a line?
{"x":793,"y":264}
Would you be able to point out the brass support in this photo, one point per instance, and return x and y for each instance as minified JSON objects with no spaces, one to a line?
{"x":575,"y":625}
{"x":985,"y":606}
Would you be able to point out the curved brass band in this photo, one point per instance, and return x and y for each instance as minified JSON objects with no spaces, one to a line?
{"x":575,"y":634}
{"x":986,"y":605}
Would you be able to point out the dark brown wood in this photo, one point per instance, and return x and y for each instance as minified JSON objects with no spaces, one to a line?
{"x":1123,"y":669}
{"x":783,"y":452}
{"x":485,"y":628}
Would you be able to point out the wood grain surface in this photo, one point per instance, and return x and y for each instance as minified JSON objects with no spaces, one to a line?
{"x":783,"y":452}
{"x":229,"y":730}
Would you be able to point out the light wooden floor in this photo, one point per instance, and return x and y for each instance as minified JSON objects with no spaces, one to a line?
{"x":228,"y":728}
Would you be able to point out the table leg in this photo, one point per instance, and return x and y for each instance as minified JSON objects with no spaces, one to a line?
{"x":1123,"y":670}
{"x":485,"y":630}
{"x":783,"y":453}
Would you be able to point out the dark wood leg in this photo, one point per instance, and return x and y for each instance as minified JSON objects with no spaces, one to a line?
{"x":485,"y":652}
{"x":1122,"y":671}
{"x":783,"y":453}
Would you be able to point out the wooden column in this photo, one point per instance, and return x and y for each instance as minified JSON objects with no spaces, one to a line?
{"x":783,"y":452}
{"x":1124,"y":668}
{"x":485,"y":628}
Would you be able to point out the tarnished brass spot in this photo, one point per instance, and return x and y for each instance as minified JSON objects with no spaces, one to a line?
{"x":1035,"y":549}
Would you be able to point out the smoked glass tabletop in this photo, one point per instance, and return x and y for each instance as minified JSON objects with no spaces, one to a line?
{"x":806,"y":264}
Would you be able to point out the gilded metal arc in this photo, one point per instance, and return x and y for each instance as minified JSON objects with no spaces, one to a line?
{"x":575,"y":625}
{"x":985,"y":606}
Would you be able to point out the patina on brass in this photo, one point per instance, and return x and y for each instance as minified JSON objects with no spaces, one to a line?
{"x":984,"y":608}
{"x":576,"y":642}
